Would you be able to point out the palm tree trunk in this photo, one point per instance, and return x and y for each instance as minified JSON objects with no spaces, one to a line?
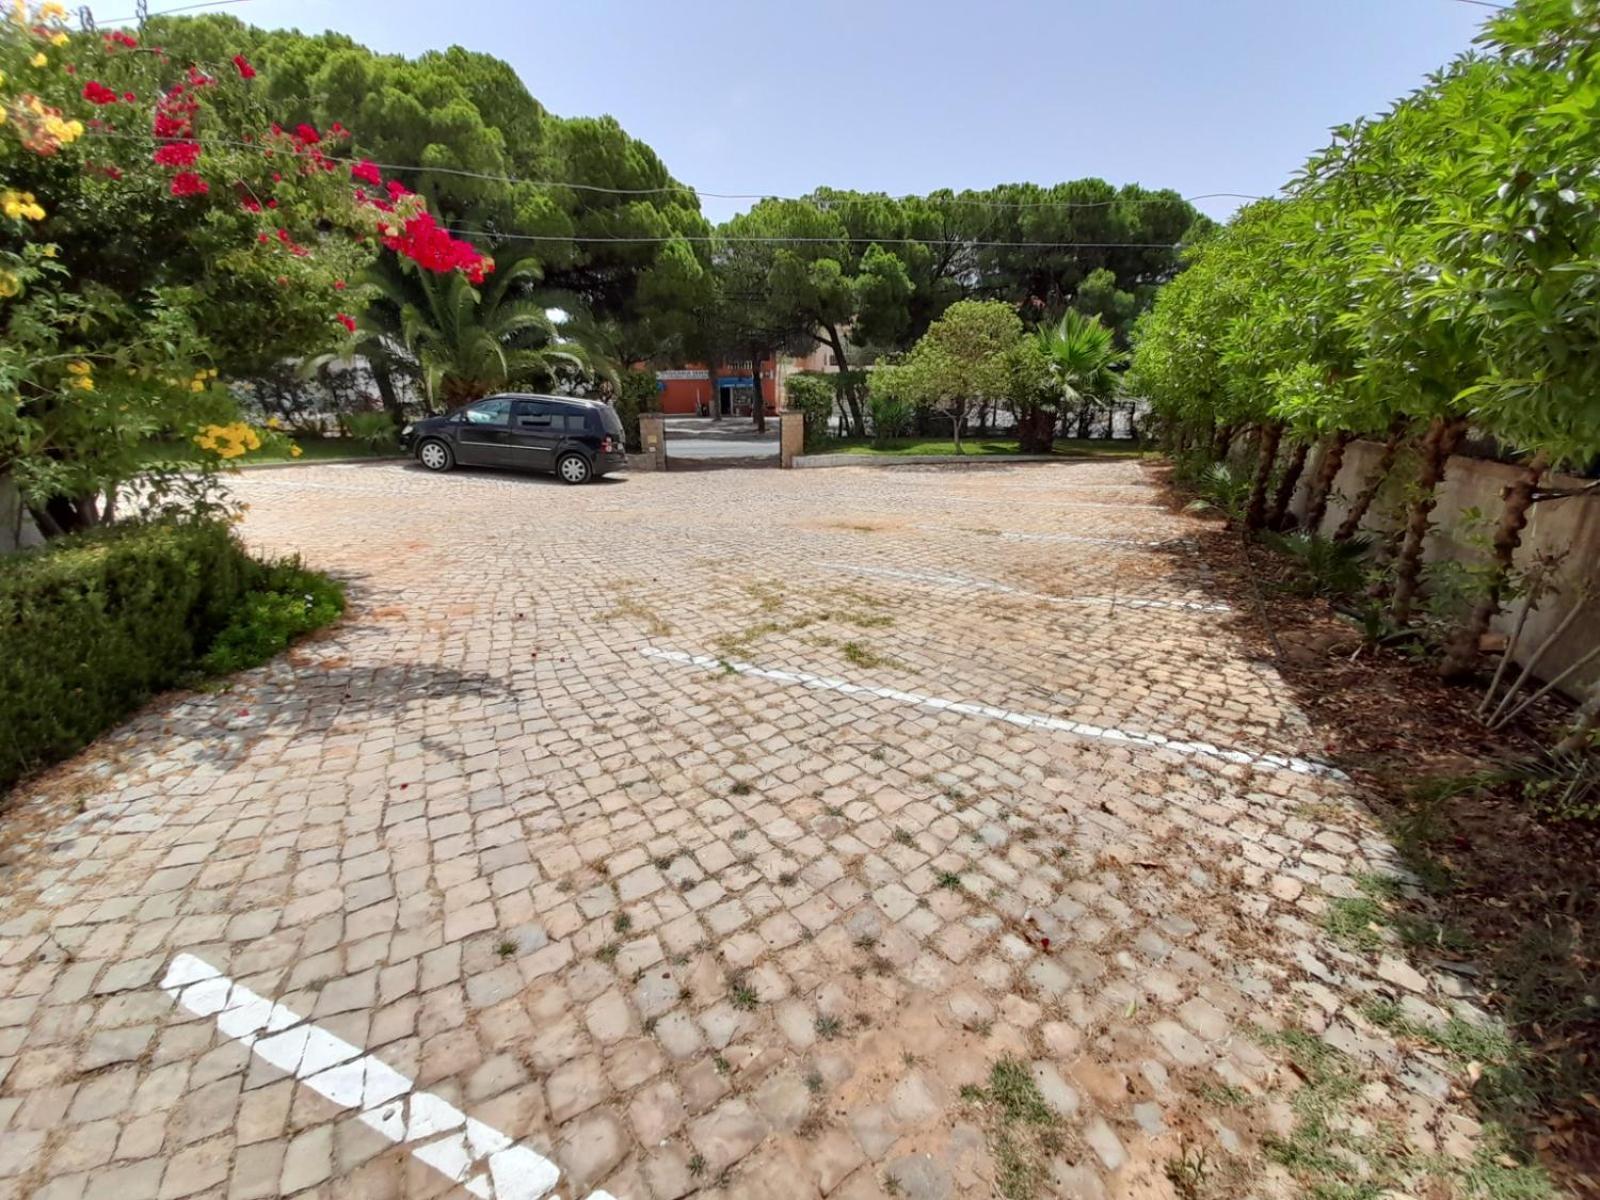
{"x":1462,"y":653}
{"x":1437,"y":444}
{"x":1279,"y":515}
{"x":384,"y":378}
{"x":1369,"y":490}
{"x":1255,"y":513}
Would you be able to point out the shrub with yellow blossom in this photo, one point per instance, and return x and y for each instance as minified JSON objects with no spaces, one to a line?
{"x":155,"y":224}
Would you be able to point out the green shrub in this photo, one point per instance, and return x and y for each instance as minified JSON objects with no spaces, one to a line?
{"x":91,"y":625}
{"x":891,"y":417}
{"x":1325,"y":567}
{"x":285,"y":601}
{"x":374,"y":430}
{"x":637,"y":393}
{"x":813,"y":397}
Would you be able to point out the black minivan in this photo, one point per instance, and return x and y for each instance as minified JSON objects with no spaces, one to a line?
{"x":578,"y":439}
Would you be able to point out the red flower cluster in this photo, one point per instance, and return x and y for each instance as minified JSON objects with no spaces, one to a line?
{"x":187,"y":183}
{"x":118,"y":38}
{"x":96,"y":92}
{"x":434,"y":249}
{"x":347,"y":321}
{"x":177,"y":154}
{"x":242,"y":65}
{"x":367,"y":172}
{"x":307,"y":135}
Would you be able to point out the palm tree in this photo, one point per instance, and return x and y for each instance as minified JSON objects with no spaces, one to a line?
{"x":1083,"y":359}
{"x":464,"y":342}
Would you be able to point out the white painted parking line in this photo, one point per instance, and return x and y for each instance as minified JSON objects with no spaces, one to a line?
{"x":481,"y":1159}
{"x":968,"y":708}
{"x":989,"y":585}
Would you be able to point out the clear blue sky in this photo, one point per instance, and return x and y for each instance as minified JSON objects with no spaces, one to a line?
{"x":776,"y":98}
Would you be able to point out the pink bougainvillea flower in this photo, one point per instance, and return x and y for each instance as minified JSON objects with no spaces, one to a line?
{"x":242,"y":64}
{"x":96,"y":92}
{"x":347,"y":321}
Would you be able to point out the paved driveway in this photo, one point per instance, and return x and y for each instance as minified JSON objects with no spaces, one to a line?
{"x":694,"y":832}
{"x":700,"y":438}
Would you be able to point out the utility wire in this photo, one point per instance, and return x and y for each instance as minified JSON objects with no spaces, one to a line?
{"x":825,"y":241}
{"x":683,"y":188}
{"x":167,"y":12}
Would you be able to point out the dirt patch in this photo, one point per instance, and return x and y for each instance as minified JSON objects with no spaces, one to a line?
{"x":1512,"y":895}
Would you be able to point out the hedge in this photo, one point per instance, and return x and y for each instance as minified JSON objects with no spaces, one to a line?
{"x":92,"y":625}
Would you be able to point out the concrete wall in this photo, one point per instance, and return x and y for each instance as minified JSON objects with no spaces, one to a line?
{"x":1554,"y":526}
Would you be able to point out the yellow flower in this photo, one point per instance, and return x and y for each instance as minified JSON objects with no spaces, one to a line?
{"x":212,"y":373}
{"x":79,"y":367}
{"x":274,"y":423}
{"x":196,"y":386}
{"x":38,"y":60}
{"x":59,"y":39}
{"x":52,"y":11}
{"x":9,"y":285}
{"x":20,"y":204}
{"x":83,"y":383}
{"x":49,"y":250}
{"x":295,"y":452}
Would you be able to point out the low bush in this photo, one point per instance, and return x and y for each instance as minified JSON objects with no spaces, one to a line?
{"x":285,"y":601}
{"x":813,"y":396}
{"x":93,"y":625}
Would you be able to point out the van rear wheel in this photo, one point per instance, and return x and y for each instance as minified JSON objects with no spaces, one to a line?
{"x":574,"y":468}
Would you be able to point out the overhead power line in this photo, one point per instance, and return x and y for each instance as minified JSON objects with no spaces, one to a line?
{"x":685,"y":189}
{"x":166,"y":12}
{"x":824,"y":241}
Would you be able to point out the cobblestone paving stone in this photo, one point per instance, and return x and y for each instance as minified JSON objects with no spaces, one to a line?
{"x":678,"y":929}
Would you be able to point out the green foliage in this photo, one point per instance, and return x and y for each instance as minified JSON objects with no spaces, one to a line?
{"x":892,"y":413}
{"x":374,"y":430}
{"x":464,"y":342}
{"x":1223,"y":486}
{"x":92,"y":625}
{"x":1325,"y":567}
{"x":285,"y":602}
{"x":813,"y":396}
{"x":1022,"y":1129}
{"x":636,"y":393}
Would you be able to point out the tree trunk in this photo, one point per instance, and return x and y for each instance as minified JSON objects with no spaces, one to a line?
{"x":852,"y":398}
{"x":1279,"y":516}
{"x":1442,"y":436}
{"x":1044,"y":433}
{"x":1351,"y":524}
{"x":1584,"y":724}
{"x":1220,"y":444}
{"x":1255,"y":513}
{"x":957,"y":413}
{"x":758,"y":405}
{"x":1322,"y":486}
{"x":1083,"y":422}
{"x":382,"y":376}
{"x":1462,"y":654}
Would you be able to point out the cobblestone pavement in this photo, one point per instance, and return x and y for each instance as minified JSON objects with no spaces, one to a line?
{"x":704,"y":832}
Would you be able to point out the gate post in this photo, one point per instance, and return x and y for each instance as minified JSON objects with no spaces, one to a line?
{"x":653,"y":443}
{"x":791,"y":437}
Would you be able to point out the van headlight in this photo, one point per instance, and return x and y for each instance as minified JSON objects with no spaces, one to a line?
{"x":406,"y":430}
